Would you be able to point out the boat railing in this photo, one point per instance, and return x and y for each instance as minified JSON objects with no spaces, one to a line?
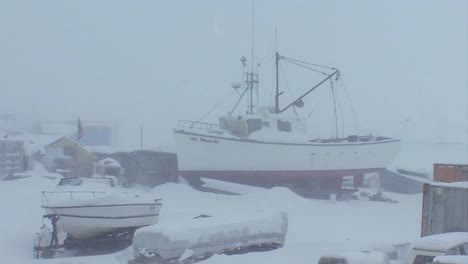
{"x":197,"y":125}
{"x":72,"y":194}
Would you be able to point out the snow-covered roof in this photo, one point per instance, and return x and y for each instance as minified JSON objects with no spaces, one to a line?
{"x":441,"y":242}
{"x":461,"y":184}
{"x":96,"y":124}
{"x":116,"y":149}
{"x":109,"y":149}
{"x":459,"y":259}
{"x":35,"y":142}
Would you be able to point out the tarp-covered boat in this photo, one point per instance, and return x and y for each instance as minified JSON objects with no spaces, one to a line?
{"x":205,"y":235}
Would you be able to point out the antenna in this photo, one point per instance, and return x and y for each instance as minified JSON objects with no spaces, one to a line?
{"x":253,"y":61}
{"x":277,"y":93}
{"x":253,"y":34}
{"x":141,"y":136}
{"x":249,"y":78}
{"x":276,"y":48}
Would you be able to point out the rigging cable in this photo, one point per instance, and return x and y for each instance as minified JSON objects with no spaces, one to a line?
{"x":268,"y":60}
{"x":342,"y":119}
{"x":334,"y":105}
{"x":351,"y":104}
{"x":303,"y":66}
{"x":220,"y":101}
{"x":272,"y":86}
{"x":294,"y":110}
{"x":313,"y":64}
{"x":286,"y":82}
{"x":340,"y":108}
{"x":313,"y":109}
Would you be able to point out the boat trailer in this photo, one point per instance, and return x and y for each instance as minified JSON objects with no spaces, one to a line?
{"x":56,"y":243}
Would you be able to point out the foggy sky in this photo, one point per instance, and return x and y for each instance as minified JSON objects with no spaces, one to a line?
{"x":152,"y":63}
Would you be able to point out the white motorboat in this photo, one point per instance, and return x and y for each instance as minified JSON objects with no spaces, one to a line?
{"x":91,"y":207}
{"x":265,"y":146}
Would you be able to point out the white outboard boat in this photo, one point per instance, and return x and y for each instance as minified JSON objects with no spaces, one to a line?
{"x":91,"y":207}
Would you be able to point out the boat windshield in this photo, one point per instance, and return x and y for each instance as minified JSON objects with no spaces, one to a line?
{"x":86,"y":181}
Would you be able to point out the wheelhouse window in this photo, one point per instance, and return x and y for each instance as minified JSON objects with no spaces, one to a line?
{"x":284,"y":126}
{"x":254,"y":125}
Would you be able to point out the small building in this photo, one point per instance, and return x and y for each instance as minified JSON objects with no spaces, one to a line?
{"x":58,"y":154}
{"x":151,"y":168}
{"x":145,"y":167}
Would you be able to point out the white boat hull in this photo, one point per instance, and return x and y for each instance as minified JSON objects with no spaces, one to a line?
{"x":88,"y":221}
{"x":241,"y":160}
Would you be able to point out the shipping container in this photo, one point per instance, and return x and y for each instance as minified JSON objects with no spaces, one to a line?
{"x":450,"y":172}
{"x":444,"y":208}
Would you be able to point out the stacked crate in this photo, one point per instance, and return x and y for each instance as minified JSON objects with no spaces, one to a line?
{"x":11,"y":157}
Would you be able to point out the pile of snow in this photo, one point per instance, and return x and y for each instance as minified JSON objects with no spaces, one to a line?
{"x":462,"y":259}
{"x":108,"y":163}
{"x":441,"y":242}
{"x":420,"y":157}
{"x":34,"y":143}
{"x":109,"y":149}
{"x":38,"y":170}
{"x":462,"y":184}
{"x":229,"y":186}
{"x":358,"y":257}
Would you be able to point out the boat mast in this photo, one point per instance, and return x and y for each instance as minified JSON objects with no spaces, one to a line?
{"x":277,"y":94}
{"x":252,"y":68}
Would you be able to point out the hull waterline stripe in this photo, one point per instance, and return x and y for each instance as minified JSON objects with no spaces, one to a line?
{"x":107,"y":217}
{"x":98,"y":205}
{"x":282,"y":172}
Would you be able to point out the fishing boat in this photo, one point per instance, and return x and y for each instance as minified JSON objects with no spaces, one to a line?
{"x":267,"y":147}
{"x":86,"y":208}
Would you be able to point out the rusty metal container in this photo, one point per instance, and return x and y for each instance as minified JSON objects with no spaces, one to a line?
{"x":450,"y":172}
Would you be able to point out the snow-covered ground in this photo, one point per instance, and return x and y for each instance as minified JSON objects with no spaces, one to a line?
{"x":316,"y":227}
{"x":420,"y":156}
